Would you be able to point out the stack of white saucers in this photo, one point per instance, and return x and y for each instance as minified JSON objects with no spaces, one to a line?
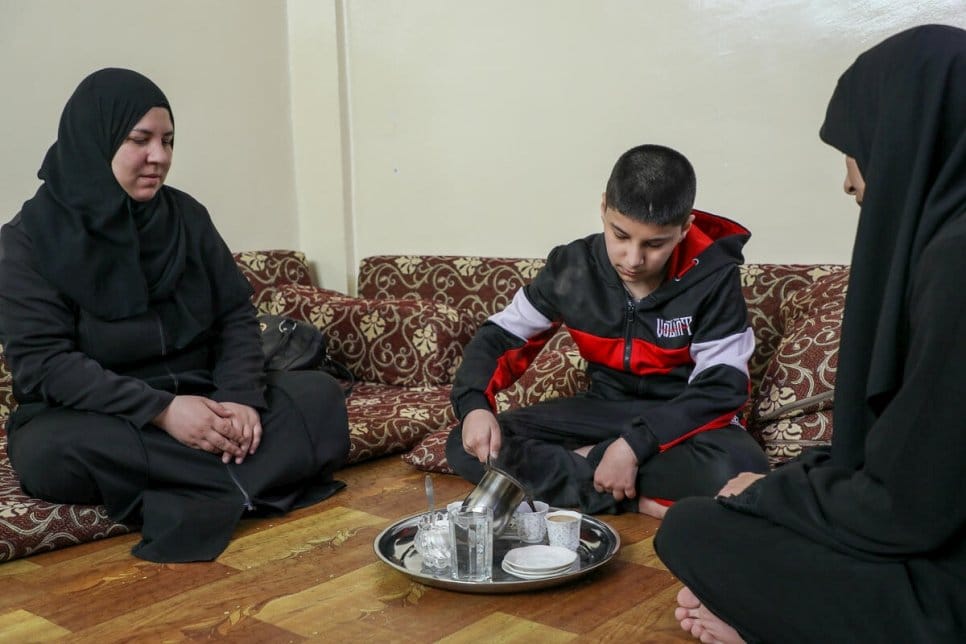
{"x":539,"y":562}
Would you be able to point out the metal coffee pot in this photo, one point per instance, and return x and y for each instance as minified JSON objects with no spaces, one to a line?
{"x":499,"y":491}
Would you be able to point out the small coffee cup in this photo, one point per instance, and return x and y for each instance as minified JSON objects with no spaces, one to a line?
{"x":563,"y":529}
{"x":531,"y":524}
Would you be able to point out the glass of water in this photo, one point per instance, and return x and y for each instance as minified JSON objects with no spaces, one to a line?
{"x":471,"y":539}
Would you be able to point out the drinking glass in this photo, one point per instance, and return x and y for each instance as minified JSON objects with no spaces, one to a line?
{"x":471,"y":544}
{"x":432,"y":540}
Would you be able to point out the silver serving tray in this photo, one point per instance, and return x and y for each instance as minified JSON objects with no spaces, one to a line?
{"x":394,"y":545}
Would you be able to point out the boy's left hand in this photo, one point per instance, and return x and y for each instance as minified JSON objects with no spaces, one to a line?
{"x":617,"y":471}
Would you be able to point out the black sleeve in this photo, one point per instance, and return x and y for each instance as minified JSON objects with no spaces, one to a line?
{"x":505,"y":345}
{"x":238,"y":371}
{"x":38,"y":329}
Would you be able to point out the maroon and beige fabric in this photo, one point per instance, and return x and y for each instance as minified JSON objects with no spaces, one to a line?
{"x":385,"y":419}
{"x":766,"y":287}
{"x":268,"y":271}
{"x":557,"y":371}
{"x":478,"y":286}
{"x":7,"y":401}
{"x":793,"y":406}
{"x":404,"y":342}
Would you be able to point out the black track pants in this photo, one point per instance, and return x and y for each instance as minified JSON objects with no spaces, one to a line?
{"x":538,"y":444}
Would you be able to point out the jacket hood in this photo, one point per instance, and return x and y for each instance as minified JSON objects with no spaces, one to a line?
{"x":712,"y":241}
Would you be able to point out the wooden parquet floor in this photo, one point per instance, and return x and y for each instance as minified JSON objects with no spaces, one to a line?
{"x":313,"y":575}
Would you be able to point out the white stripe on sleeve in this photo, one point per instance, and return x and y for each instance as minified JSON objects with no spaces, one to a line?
{"x":521,"y":318}
{"x":733,"y":350}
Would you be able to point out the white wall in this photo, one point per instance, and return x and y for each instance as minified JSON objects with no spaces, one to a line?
{"x":491,"y":127}
{"x":347,"y":128}
{"x":320,"y":122}
{"x":224,"y":67}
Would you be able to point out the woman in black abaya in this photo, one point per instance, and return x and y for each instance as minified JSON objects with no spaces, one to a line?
{"x":134,"y":347}
{"x":865,"y":541}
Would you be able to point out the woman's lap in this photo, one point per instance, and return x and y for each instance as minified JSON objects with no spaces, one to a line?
{"x":69,"y":456}
{"x":775,"y":585}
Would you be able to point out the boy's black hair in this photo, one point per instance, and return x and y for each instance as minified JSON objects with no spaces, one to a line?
{"x":652,"y":184}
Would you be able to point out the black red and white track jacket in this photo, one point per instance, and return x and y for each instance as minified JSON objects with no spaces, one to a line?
{"x":679,"y":355}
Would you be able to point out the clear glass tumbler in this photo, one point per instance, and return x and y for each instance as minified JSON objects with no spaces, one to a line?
{"x":471,"y":539}
{"x":432,"y":540}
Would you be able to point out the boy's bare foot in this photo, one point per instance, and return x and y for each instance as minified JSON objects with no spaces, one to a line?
{"x":702,"y":623}
{"x":651,"y":508}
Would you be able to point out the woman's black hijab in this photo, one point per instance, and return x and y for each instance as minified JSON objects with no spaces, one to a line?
{"x":109,"y":254}
{"x":899,"y":111}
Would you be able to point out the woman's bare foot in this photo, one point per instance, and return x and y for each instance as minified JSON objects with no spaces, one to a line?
{"x":702,"y":623}
{"x":651,"y":508}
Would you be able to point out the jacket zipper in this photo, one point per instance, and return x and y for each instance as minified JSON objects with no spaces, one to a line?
{"x":628,"y":320}
{"x":164,"y":353}
{"x":248,"y":500}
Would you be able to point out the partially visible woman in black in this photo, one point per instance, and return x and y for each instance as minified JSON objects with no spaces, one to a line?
{"x":866,"y":541}
{"x":134,"y":346}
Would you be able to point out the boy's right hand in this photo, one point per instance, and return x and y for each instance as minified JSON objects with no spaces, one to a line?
{"x":481,"y":434}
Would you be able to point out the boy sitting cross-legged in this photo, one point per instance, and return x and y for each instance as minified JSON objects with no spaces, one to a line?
{"x":654,"y":304}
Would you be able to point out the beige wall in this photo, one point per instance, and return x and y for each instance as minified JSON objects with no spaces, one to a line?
{"x":352,"y":127}
{"x":223,"y":65}
{"x":490,"y":127}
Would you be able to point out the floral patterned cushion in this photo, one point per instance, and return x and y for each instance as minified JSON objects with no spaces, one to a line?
{"x":7,"y":401}
{"x":394,"y":342}
{"x":785,"y":438}
{"x":269,"y":270}
{"x":386,"y":419}
{"x":558,"y":370}
{"x":479,"y":286}
{"x":430,"y":454}
{"x":799,"y":380}
{"x":766,"y":287}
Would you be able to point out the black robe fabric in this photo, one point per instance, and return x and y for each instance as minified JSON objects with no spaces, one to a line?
{"x":885,"y":502}
{"x":110,"y":308}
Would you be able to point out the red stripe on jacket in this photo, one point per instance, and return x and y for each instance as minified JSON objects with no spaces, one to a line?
{"x":514,"y":362}
{"x":646,"y":358}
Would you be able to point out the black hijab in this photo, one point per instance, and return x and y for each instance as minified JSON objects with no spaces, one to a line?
{"x":899,"y":111}
{"x":109,"y":254}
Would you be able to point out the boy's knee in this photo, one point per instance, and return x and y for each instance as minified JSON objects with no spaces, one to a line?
{"x":731,"y":452}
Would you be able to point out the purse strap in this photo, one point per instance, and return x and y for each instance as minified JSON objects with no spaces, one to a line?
{"x":285,"y":328}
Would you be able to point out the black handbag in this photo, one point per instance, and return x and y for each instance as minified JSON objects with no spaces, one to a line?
{"x":291,"y":345}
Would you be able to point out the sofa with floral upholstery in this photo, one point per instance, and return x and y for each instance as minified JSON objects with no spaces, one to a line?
{"x":403,"y":334}
{"x":795,"y":311}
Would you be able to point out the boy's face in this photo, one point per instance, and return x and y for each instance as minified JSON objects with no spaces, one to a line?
{"x":639,"y":251}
